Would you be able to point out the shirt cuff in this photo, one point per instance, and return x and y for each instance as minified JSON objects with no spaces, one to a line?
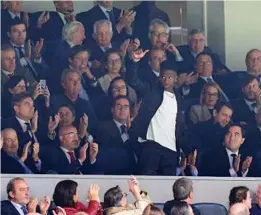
{"x":80,"y":161}
{"x":245,"y":174}
{"x":38,"y":165}
{"x":194,"y":172}
{"x":23,"y":61}
{"x":178,"y":171}
{"x":38,"y":60}
{"x":92,"y":162}
{"x":232,"y":172}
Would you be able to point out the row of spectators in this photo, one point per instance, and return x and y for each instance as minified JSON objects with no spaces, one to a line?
{"x":65,"y":200}
{"x":112,"y":103}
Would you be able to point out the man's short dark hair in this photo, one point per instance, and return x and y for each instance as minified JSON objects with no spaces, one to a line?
{"x":10,"y":185}
{"x":15,"y":22}
{"x":238,"y":194}
{"x":168,"y":65}
{"x":17,"y":98}
{"x":180,"y":208}
{"x":118,"y":98}
{"x":113,"y":197}
{"x":182,"y":188}
{"x":77,"y":49}
{"x":242,"y":127}
{"x":222,"y":104}
{"x":64,"y":192}
{"x":248,"y":79}
{"x":204,"y":53}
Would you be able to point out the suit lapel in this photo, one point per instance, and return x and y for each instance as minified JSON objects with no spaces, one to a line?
{"x":115,"y":133}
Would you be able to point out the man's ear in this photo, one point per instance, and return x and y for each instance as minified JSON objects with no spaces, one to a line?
{"x":8,"y":34}
{"x":70,"y":60}
{"x":214,"y":112}
{"x":16,"y":108}
{"x":11,"y":194}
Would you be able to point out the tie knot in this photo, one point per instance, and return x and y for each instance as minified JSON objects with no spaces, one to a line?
{"x":70,"y":153}
{"x":24,"y":209}
{"x":28,"y":126}
{"x":254,"y":105}
{"x":209,"y":80}
{"x":233,"y":155}
{"x":123,"y":129}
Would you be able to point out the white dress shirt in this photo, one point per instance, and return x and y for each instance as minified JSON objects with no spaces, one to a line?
{"x":249,"y":104}
{"x":162,"y":127}
{"x":104,"y":10}
{"x":156,"y":73}
{"x":13,"y":15}
{"x":231,"y":170}
{"x":17,"y":207}
{"x":62,"y":17}
{"x":7,"y":73}
{"x":104,"y":49}
{"x":124,"y":136}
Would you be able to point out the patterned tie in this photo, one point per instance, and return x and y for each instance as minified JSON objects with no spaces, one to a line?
{"x":72,"y":157}
{"x":24,"y":209}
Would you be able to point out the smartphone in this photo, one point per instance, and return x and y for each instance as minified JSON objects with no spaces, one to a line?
{"x":42,"y":84}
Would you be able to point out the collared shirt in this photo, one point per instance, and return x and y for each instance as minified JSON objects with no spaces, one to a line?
{"x":259,"y":127}
{"x":206,"y":78}
{"x":7,"y":73}
{"x":13,"y":15}
{"x":18,"y":207}
{"x":249,"y":104}
{"x":162,"y":127}
{"x":104,"y":10}
{"x":24,"y":127}
{"x":70,"y":43}
{"x":62,"y":17}
{"x":156,"y":73}
{"x":231,"y":170}
{"x":124,"y":136}
{"x":104,"y":49}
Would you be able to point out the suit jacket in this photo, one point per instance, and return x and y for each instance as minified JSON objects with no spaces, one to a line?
{"x":51,"y":30}
{"x":119,"y":153}
{"x":189,"y":60}
{"x":169,"y":204}
{"x":89,"y":17}
{"x":199,"y":113}
{"x":56,"y":162}
{"x":216,"y":163}
{"x":6,"y":21}
{"x":7,"y":208}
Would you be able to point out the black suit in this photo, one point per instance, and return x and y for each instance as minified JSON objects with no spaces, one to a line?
{"x":89,"y":17}
{"x":216,"y":163}
{"x":7,"y":208}
{"x":51,"y":30}
{"x":56,"y":161}
{"x":243,"y":113}
{"x":6,"y":21}
{"x":169,"y":204}
{"x":119,"y":153}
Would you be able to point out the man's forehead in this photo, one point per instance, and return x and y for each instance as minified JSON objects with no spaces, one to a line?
{"x":198,"y":35}
{"x":159,"y":28}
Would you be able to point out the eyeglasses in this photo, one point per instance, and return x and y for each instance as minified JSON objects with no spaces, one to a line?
{"x":71,"y":134}
{"x":118,"y":89}
{"x":203,"y":63}
{"x":211,"y":94}
{"x":197,"y":40}
{"x":122,"y":107}
{"x":159,"y":34}
{"x":167,"y":77}
{"x":116,"y":60}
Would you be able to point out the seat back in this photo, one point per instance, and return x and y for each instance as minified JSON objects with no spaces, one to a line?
{"x":211,"y":209}
{"x":159,"y":205}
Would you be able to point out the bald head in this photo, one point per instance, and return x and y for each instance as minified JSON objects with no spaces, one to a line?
{"x":10,"y":140}
{"x":238,"y":209}
{"x":69,"y":138}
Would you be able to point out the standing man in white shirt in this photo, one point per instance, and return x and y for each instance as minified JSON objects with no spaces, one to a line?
{"x":155,"y":126}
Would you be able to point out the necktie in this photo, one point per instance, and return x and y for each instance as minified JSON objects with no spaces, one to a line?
{"x":20,"y":51}
{"x":29,"y":129}
{"x":123,"y":129}
{"x":24,"y":209}
{"x":9,"y":75}
{"x":254,"y":107}
{"x":72,"y":157}
{"x":112,"y":18}
{"x":234,"y":159}
{"x":16,"y":18}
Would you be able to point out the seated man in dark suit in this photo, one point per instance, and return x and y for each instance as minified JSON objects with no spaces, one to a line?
{"x":71,"y":82}
{"x":207,"y":135}
{"x":25,"y":122}
{"x":246,"y":108}
{"x":18,"y":193}
{"x":182,"y":191}
{"x":256,"y":207}
{"x":9,"y":14}
{"x":113,"y":137}
{"x":196,"y":45}
{"x":204,"y":73}
{"x":48,"y":25}
{"x":68,"y":158}
{"x":29,"y":161}
{"x":121,"y":21}
{"x":9,"y":67}
{"x":227,"y":160}
{"x":27,"y":55}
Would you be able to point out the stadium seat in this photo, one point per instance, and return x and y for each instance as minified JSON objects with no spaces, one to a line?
{"x":211,"y":209}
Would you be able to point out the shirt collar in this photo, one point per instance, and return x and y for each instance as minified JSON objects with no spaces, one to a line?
{"x":21,"y":121}
{"x":70,"y":43}
{"x":249,"y":104}
{"x":206,"y":78}
{"x":13,"y":15}
{"x":104,"y":10}
{"x":118,"y":123}
{"x":16,"y":205}
{"x":104,"y":48}
{"x":14,"y":45}
{"x":156,"y":73}
{"x":229,"y":153}
{"x":7,"y":73}
{"x":62,"y":17}
{"x":65,"y":150}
